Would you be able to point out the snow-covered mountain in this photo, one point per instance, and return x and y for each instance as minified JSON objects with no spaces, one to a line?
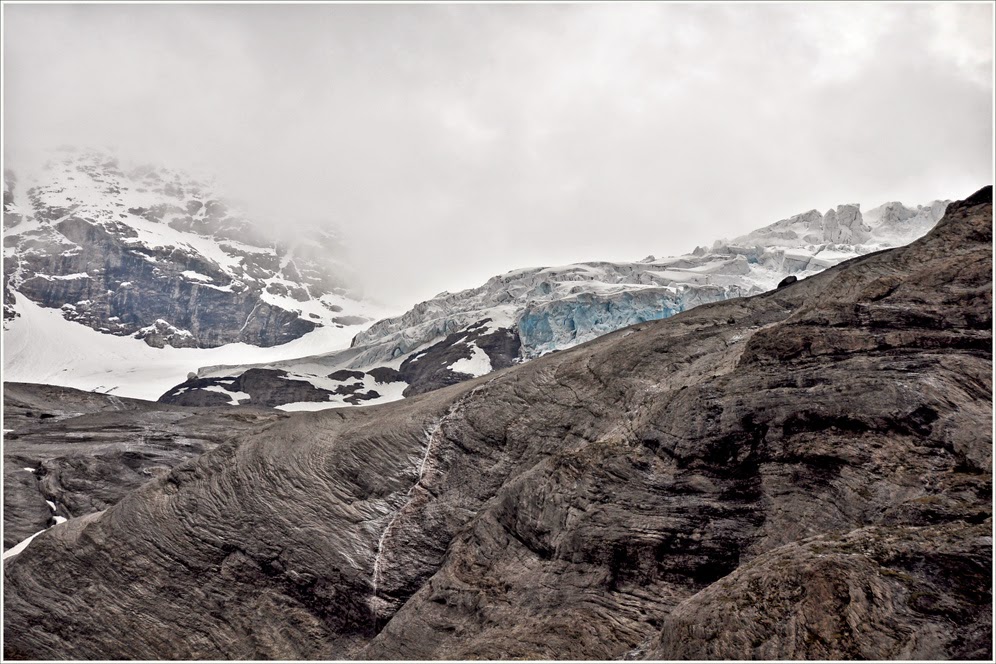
{"x":529,"y":312}
{"x":151,"y":257}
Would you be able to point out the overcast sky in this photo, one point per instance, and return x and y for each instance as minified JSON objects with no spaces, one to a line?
{"x":455,"y":142}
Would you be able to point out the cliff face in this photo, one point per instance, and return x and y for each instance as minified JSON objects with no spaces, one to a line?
{"x":804,"y":474}
{"x":155,"y":254}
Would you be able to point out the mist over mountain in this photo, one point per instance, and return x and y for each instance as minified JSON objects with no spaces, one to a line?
{"x":450,"y":143}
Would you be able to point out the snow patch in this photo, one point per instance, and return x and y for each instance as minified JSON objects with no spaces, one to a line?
{"x":477,"y":365}
{"x":64,"y":277}
{"x":20,"y":546}
{"x":196,"y":276}
{"x":306,"y":406}
{"x":235,"y":397}
{"x":388,"y":392}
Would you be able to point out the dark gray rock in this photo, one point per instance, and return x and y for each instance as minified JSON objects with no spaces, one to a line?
{"x":872,"y":593}
{"x":425,"y":371}
{"x":385,"y":374}
{"x":350,"y":320}
{"x":619,"y":499}
{"x":346,"y":374}
{"x":356,"y":393}
{"x":265,"y":387}
{"x":430,"y":369}
{"x":127,"y":289}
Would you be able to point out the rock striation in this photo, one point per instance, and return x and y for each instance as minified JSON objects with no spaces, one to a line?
{"x":806,"y":473}
{"x":69,"y":453}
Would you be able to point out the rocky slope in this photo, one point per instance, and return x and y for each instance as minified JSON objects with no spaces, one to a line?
{"x":526,"y":313}
{"x":69,"y":453}
{"x":804,"y":474}
{"x":154,"y":254}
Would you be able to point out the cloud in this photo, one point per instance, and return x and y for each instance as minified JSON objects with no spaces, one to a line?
{"x":453,"y":142}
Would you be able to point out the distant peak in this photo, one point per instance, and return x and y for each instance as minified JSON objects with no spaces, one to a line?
{"x":984,"y":195}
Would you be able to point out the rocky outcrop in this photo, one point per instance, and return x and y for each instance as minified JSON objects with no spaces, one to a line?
{"x":255,"y":387}
{"x":440,"y":364}
{"x":613,"y":500}
{"x":872,"y":593}
{"x":154,"y":254}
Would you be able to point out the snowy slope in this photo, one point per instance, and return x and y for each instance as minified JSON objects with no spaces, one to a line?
{"x":41,"y":346}
{"x":126,"y":278}
{"x":528,"y":312}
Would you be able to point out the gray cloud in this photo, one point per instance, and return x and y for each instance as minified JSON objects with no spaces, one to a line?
{"x":453,"y":142}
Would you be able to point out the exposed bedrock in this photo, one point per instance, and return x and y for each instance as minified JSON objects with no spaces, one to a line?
{"x":257,"y":387}
{"x":433,"y":367}
{"x":619,"y":499}
{"x":876,"y":592}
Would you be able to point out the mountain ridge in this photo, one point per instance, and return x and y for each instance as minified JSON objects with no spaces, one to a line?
{"x":528,"y":312}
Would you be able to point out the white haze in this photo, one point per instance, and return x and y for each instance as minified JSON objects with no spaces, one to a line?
{"x":454,"y":142}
